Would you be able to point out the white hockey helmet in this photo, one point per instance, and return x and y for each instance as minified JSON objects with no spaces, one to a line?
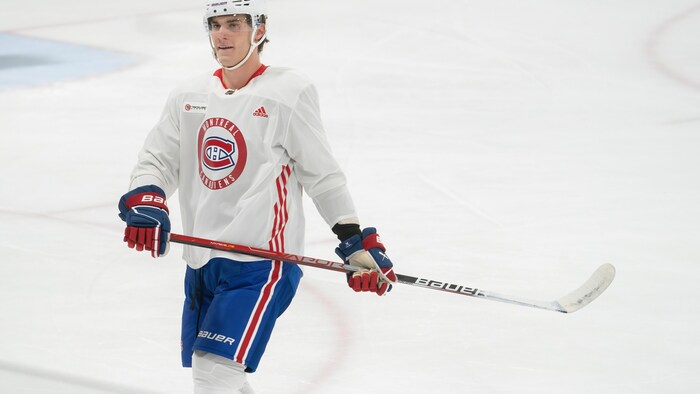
{"x":255,"y":8}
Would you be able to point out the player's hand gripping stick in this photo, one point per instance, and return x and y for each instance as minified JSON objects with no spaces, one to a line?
{"x":368,"y":253}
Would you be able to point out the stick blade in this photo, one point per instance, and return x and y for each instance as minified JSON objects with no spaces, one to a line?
{"x":589,"y":291}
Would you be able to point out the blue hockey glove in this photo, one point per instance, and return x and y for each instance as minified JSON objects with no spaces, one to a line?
{"x":147,"y":222}
{"x":368,"y":253}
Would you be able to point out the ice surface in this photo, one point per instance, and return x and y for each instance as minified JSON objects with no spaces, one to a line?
{"x":510,"y":145}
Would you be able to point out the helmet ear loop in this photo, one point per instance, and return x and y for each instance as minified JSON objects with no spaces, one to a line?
{"x":254,"y":44}
{"x":256,"y":25}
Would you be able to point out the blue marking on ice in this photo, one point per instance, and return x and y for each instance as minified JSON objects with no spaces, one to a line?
{"x":28,"y":61}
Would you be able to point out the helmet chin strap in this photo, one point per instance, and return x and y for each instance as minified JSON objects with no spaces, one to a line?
{"x":253,"y":45}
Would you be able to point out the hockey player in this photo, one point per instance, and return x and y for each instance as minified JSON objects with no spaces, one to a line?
{"x":240,"y":145}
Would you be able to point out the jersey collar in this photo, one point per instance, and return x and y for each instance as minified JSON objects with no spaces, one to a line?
{"x":220,"y":74}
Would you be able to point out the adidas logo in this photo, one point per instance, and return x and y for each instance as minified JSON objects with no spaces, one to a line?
{"x":260,"y":112}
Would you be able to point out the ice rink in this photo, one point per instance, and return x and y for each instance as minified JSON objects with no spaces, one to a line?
{"x":509,"y":145}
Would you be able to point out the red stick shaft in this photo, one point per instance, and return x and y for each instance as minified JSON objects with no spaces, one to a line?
{"x":262,"y":253}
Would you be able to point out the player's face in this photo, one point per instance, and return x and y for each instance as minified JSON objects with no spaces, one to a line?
{"x":230,"y":36}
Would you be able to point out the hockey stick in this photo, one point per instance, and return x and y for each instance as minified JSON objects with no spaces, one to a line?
{"x":584,"y":295}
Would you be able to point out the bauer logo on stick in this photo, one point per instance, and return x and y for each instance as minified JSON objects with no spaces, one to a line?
{"x":222,"y":153}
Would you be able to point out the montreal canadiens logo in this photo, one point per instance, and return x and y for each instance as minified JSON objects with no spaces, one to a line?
{"x":218,"y":153}
{"x":222,"y":153}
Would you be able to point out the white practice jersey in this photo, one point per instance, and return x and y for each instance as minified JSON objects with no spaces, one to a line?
{"x":240,"y":160}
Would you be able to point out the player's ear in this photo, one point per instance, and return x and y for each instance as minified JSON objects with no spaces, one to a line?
{"x":261,"y":30}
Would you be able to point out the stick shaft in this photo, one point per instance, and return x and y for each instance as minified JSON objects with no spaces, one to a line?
{"x":591,"y":289}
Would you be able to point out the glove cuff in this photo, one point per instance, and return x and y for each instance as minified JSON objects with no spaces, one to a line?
{"x":349,"y":247}
{"x":148,"y":198}
{"x":150,"y":195}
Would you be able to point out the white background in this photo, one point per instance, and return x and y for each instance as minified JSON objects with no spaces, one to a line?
{"x":513,"y":146}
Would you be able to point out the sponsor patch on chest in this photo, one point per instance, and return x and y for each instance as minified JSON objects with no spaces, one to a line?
{"x":194,"y":107}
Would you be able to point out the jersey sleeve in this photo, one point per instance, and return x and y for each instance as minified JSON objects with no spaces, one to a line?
{"x":158,"y":160}
{"x":314,"y":163}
